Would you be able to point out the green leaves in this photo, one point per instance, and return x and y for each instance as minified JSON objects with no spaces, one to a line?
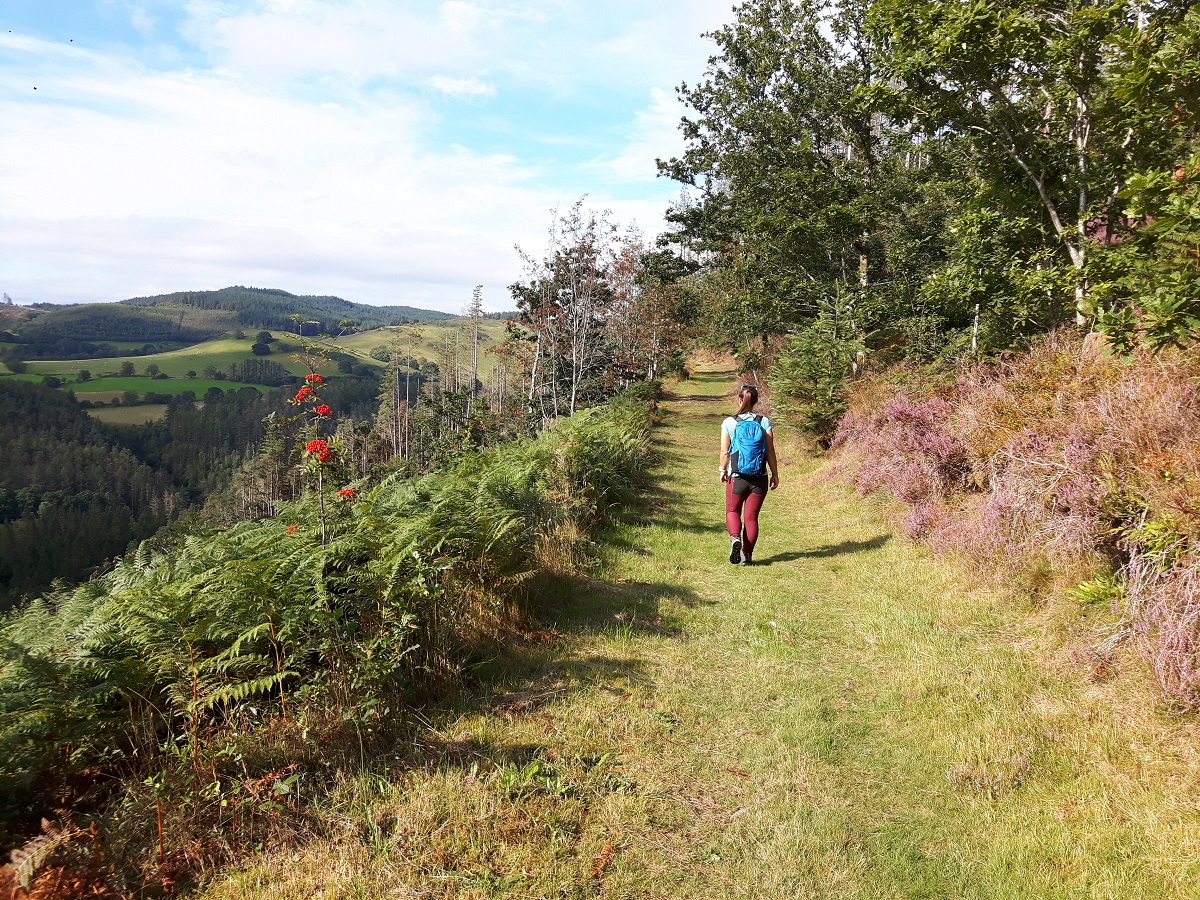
{"x":1063,"y":104}
{"x":169,"y":648}
{"x":783,"y":149}
{"x":1155,"y":297}
{"x":811,"y":372}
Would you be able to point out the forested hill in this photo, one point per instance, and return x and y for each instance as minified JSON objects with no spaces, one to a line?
{"x":92,"y":329}
{"x":70,"y":495}
{"x":272,"y":308}
{"x":74,"y":491}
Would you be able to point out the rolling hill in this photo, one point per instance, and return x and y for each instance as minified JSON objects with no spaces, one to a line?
{"x":95,"y":330}
{"x":272,"y":308}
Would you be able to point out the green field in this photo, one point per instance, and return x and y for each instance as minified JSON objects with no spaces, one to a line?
{"x":141,"y":384}
{"x":129,"y":415}
{"x":220,"y":352}
{"x":423,"y":341}
{"x":419,"y":341}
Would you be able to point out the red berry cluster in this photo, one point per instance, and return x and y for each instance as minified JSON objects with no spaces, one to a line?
{"x":320,"y":449}
{"x":307,"y":394}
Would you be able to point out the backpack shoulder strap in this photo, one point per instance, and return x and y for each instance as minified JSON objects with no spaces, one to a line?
{"x":758,"y":419}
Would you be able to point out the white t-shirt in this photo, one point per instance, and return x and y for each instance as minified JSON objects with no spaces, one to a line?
{"x":729,"y":426}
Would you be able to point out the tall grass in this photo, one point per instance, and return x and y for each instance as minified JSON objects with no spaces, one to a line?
{"x":1053,"y":467}
{"x":250,"y":656}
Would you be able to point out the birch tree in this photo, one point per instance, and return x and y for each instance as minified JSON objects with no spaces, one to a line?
{"x":1036,"y":86}
{"x":563,"y":303}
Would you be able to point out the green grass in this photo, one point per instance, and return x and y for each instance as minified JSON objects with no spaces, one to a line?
{"x":223,"y":352}
{"x":220,"y":352}
{"x":849,"y":719}
{"x":129,"y":415}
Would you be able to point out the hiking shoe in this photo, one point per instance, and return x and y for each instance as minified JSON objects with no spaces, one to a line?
{"x":746,"y":558}
{"x":735,"y":551}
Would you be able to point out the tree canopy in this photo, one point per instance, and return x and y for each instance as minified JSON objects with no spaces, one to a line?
{"x":941,"y":178}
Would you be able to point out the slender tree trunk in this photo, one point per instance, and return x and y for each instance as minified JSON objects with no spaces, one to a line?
{"x":474,"y":363}
{"x":1082,"y":139}
{"x":537,"y":353}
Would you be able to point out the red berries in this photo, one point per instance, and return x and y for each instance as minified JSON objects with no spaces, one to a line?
{"x":318,"y":447}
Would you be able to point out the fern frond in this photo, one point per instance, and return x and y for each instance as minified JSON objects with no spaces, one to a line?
{"x":27,"y":859}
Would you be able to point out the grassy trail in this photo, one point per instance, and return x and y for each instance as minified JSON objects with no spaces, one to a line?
{"x":847,"y":719}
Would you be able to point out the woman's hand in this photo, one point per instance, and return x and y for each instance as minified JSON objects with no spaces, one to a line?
{"x":772,"y":461}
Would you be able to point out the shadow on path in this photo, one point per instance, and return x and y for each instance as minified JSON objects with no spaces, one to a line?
{"x":554,"y":660}
{"x":826,"y":551}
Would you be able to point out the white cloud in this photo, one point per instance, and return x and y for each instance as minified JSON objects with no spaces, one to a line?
{"x":211,"y":175}
{"x":361,"y":40}
{"x":461,"y":87}
{"x":461,"y":16}
{"x":142,"y":21}
{"x":653,"y":135}
{"x":313,"y":156}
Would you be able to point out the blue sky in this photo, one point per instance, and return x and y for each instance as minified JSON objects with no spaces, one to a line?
{"x":387,"y":151}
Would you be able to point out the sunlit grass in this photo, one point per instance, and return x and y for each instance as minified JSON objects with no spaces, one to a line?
{"x":850,"y":719}
{"x":220,"y":352}
{"x":129,"y":415}
{"x":419,"y":341}
{"x":425,"y":340}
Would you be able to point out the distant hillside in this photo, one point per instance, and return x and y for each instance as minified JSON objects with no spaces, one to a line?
{"x":184,"y":317}
{"x":11,"y":312}
{"x":106,"y":322}
{"x":273,"y":308}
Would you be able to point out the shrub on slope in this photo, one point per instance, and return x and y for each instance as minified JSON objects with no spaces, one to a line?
{"x":1051,"y":465}
{"x":154,"y":669}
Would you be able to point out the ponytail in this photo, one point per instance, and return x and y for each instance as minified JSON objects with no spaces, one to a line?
{"x":747,"y":397}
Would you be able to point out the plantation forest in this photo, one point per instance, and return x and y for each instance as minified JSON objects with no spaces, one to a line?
{"x":365,"y":600}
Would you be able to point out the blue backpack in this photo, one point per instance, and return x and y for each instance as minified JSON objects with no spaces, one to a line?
{"x":748,"y":447}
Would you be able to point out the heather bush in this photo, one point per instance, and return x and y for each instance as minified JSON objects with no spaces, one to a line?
{"x":1063,"y":451}
{"x":904,"y":448}
{"x":1162,"y":610}
{"x":1062,"y":461}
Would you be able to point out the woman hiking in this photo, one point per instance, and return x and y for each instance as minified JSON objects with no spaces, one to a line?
{"x":747,"y":450}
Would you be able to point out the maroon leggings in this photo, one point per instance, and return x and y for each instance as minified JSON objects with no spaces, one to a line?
{"x":736,"y":507}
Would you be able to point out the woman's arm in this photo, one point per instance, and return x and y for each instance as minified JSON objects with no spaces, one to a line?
{"x":771,"y":461}
{"x":724,"y":454}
